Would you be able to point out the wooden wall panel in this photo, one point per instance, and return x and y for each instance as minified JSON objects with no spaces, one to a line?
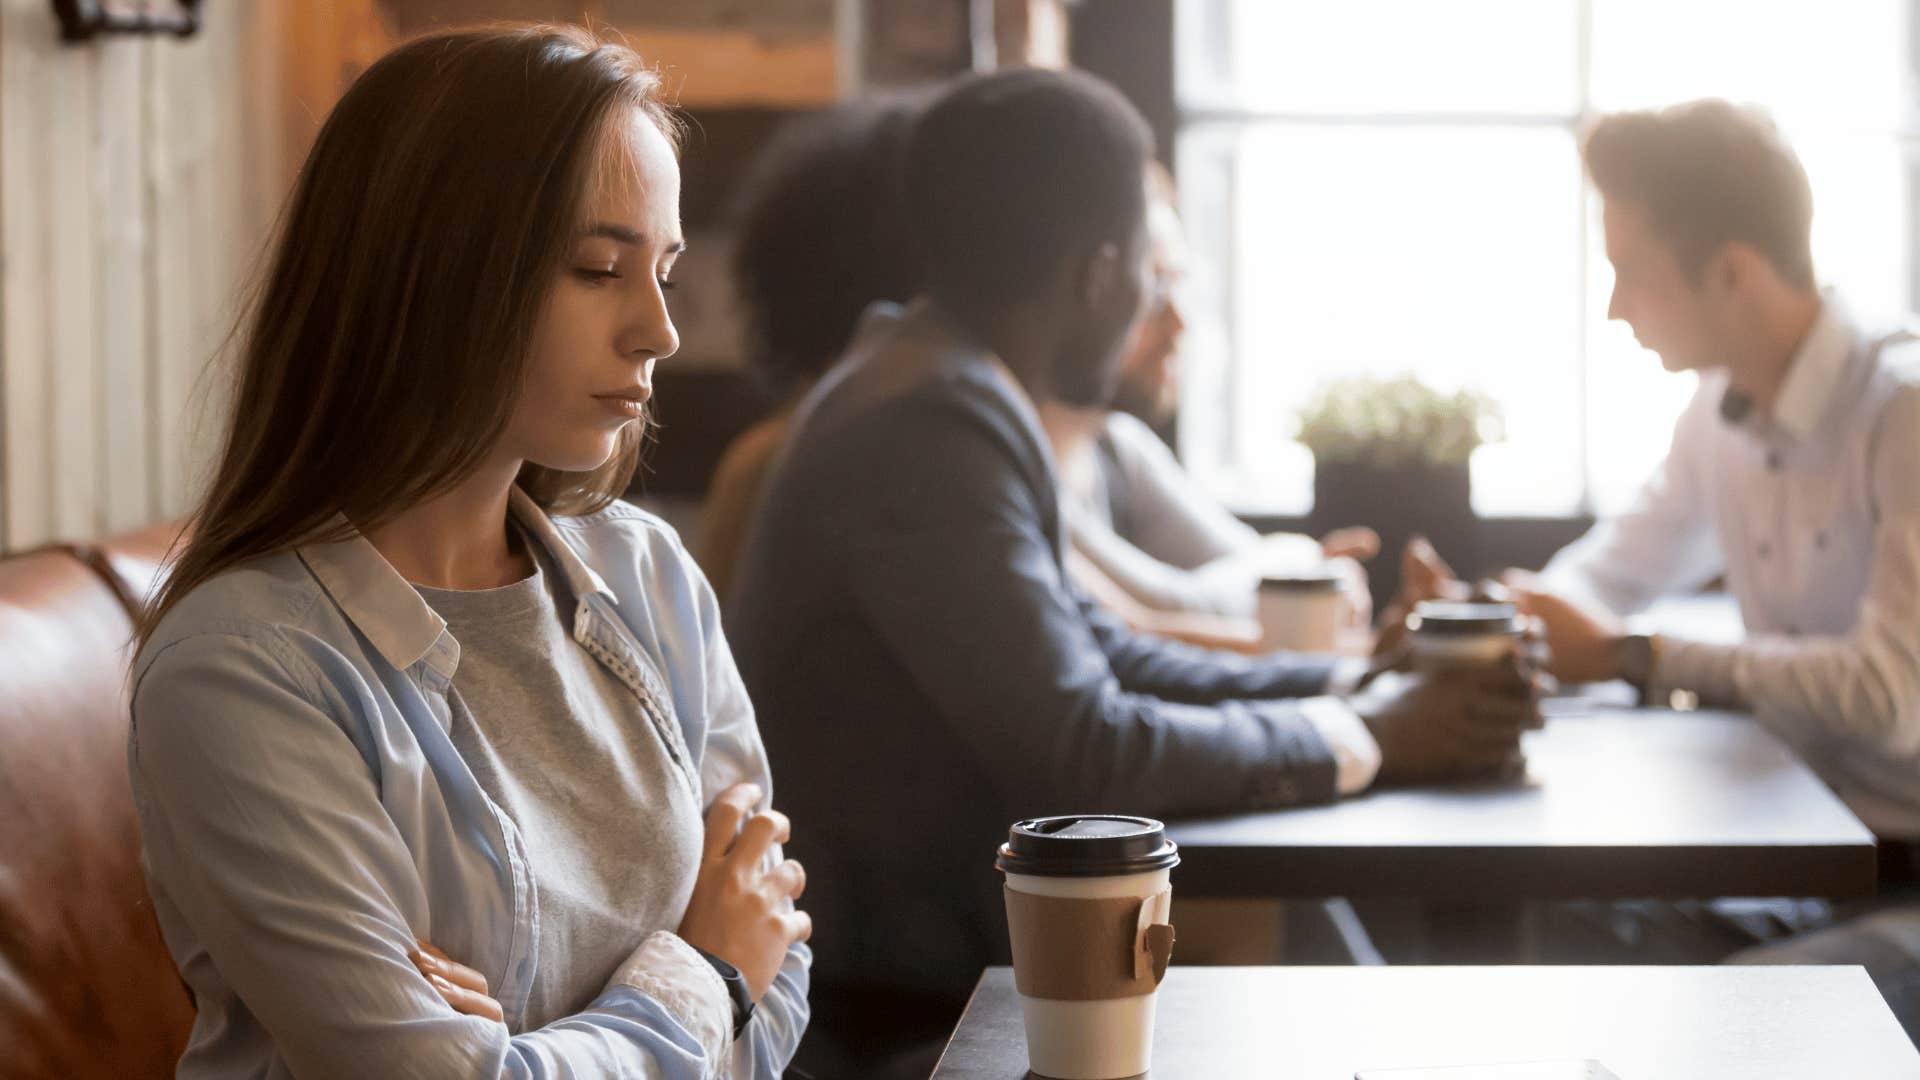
{"x":125,"y":495}
{"x":26,"y":477}
{"x":208,"y":220}
{"x":139,"y":179}
{"x":176,"y":291}
{"x":132,"y":194}
{"x":66,"y":243}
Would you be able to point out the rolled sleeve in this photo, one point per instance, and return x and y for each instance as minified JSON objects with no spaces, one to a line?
{"x":671,"y":971}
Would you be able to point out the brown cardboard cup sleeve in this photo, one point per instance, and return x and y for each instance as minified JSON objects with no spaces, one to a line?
{"x":1072,"y":949}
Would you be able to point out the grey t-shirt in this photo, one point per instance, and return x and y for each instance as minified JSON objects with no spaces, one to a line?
{"x":561,"y":745}
{"x":1142,"y":522}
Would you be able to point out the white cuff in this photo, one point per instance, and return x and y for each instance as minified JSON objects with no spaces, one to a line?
{"x":1356,"y":756}
{"x":1345,"y":677}
{"x":674,"y":973}
{"x":1711,"y":671}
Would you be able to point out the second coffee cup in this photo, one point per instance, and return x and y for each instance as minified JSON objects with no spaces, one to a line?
{"x":1303,"y":611}
{"x":1089,"y":909}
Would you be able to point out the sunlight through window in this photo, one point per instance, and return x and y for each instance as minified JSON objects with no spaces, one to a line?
{"x":1380,"y":186}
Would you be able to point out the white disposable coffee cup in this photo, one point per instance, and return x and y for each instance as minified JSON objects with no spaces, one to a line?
{"x":1303,"y":611}
{"x":1102,"y":883}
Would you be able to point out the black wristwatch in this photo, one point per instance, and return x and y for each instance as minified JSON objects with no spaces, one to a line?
{"x":1636,"y":656}
{"x":736,"y":990}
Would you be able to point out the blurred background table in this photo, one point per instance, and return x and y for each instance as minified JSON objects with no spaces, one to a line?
{"x":1616,"y":804}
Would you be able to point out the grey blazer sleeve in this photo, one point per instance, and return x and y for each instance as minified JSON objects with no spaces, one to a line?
{"x":952,"y":542}
{"x":1180,"y":672}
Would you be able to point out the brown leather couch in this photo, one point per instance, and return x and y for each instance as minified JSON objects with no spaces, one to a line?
{"x":86,"y":986}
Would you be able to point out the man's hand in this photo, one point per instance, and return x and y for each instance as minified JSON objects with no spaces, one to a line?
{"x":1356,"y":542}
{"x":1582,"y":640}
{"x":1424,"y":575}
{"x":1355,"y":588}
{"x":1449,"y":725}
{"x":1345,"y":549}
{"x":737,"y":911}
{"x":458,"y":985}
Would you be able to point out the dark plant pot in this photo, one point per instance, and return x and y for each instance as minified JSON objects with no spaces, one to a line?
{"x":1398,"y":502}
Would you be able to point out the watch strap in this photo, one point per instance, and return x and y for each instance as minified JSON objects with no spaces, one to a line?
{"x":1638,"y":657}
{"x":737,"y":989}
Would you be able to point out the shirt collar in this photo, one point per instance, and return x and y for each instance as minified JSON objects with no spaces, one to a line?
{"x":582,"y":581}
{"x":1816,"y":369}
{"x":401,"y":626}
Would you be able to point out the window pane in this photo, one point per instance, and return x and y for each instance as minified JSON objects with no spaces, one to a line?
{"x":1808,"y":60}
{"x":1450,"y":252}
{"x":1631,"y":401}
{"x":1206,"y":158}
{"x":1862,"y":221}
{"x":1368,"y":226}
{"x":1499,"y":56}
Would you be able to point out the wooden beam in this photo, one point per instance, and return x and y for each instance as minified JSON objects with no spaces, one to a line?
{"x":729,"y":68}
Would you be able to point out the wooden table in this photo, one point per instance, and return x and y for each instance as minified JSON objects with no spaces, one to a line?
{"x":1617,"y":804}
{"x":1643,"y":1023}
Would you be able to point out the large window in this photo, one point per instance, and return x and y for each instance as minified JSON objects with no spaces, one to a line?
{"x":1378,"y":186}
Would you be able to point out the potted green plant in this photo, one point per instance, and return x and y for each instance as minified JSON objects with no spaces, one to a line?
{"x":1392,"y":453}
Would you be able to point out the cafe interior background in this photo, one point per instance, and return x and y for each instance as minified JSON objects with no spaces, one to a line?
{"x":1370,"y":188}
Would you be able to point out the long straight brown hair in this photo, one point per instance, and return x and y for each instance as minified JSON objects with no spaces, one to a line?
{"x":388,"y":339}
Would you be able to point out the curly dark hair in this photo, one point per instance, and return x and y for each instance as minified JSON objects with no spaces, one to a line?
{"x":1012,"y":174}
{"x":821,"y":235}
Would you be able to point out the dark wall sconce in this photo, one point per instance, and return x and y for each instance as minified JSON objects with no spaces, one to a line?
{"x":84,"y":20}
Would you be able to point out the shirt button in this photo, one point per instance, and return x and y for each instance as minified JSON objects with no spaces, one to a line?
{"x":1820,"y":539}
{"x":1765,"y":549}
{"x":1793,"y":631}
{"x":1774,"y":461}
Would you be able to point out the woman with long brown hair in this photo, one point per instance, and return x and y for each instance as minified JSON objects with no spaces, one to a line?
{"x":442,"y":763}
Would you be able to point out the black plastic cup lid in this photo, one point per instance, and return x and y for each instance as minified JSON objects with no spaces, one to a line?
{"x":1302,"y":581}
{"x":1087,"y":845}
{"x":1454,"y":618}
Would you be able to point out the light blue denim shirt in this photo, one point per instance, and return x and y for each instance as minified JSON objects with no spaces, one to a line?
{"x":305,"y":817}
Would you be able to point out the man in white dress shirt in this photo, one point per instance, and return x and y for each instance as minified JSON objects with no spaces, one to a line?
{"x":1794,"y":474}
